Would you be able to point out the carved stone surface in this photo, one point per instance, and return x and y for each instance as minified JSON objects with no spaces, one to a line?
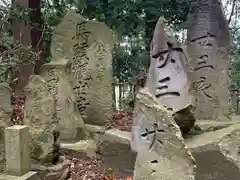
{"x":87,"y":46}
{"x":230,"y":146}
{"x":71,"y":125}
{"x":208,"y":45}
{"x":169,"y":76}
{"x":39,"y":117}
{"x":17,"y":150}
{"x":161,"y":152}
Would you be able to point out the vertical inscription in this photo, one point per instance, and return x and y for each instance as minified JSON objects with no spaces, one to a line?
{"x":100,"y":55}
{"x":166,"y":61}
{"x":52,"y":81}
{"x":202,"y":84}
{"x":79,"y":65}
{"x":153,"y":132}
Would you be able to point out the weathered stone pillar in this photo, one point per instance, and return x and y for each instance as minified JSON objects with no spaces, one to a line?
{"x":17,"y":154}
{"x":87,"y":46}
{"x":208,"y":46}
{"x":161,"y":151}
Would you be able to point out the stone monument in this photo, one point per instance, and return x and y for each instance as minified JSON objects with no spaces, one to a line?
{"x":71,"y":125}
{"x":161,"y":151}
{"x":17,"y":154}
{"x":87,"y":46}
{"x":169,"y":76}
{"x":208,"y":46}
{"x":39,"y":116}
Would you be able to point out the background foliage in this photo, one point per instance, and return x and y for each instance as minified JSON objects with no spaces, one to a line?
{"x":133,"y":22}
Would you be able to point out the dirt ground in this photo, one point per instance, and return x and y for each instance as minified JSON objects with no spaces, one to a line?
{"x":211,"y":165}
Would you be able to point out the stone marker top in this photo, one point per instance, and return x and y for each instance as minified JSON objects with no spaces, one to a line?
{"x":16,"y":127}
{"x":206,"y":18}
{"x":61,"y":62}
{"x":161,"y":36}
{"x":17,"y":150}
{"x":63,"y":37}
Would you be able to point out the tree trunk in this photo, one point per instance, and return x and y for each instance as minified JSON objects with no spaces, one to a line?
{"x":26,"y":35}
{"x":37,"y":33}
{"x":21,"y":33}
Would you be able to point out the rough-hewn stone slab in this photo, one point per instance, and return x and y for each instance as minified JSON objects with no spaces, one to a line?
{"x":17,"y":150}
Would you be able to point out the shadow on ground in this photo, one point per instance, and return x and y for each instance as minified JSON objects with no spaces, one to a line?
{"x":211,"y":165}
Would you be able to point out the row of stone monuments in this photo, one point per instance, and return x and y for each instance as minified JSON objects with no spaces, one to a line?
{"x":76,"y":89}
{"x":70,"y":90}
{"x":174,"y":83}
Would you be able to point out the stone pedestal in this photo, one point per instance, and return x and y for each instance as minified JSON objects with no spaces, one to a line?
{"x":17,"y":154}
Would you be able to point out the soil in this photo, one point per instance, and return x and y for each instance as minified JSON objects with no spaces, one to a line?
{"x":211,"y":165}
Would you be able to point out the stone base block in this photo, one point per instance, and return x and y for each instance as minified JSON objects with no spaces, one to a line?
{"x":28,"y":176}
{"x":87,"y":146}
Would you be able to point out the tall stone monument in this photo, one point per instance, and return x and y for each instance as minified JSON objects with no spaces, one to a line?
{"x":87,"y":46}
{"x":208,"y":46}
{"x":169,"y":76}
{"x":161,"y":151}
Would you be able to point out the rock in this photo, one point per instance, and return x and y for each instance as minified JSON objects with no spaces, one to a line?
{"x":230,"y":146}
{"x":161,"y":151}
{"x":115,"y":135}
{"x":87,"y":46}
{"x":185,"y":119}
{"x":53,"y":176}
{"x":64,"y":174}
{"x":211,"y":162}
{"x":39,"y":117}
{"x":208,"y":47}
{"x":95,"y":128}
{"x":209,"y":138}
{"x":87,"y":146}
{"x":71,"y":125}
